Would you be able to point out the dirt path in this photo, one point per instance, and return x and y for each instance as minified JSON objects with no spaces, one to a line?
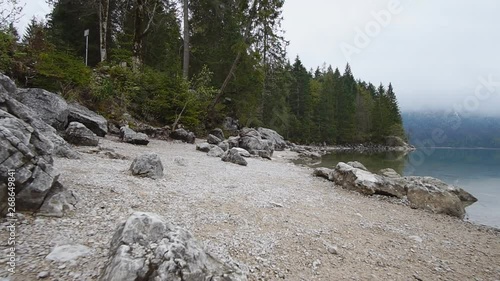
{"x":271,"y":216}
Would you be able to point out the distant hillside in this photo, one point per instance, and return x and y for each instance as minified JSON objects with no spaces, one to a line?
{"x":459,"y":130}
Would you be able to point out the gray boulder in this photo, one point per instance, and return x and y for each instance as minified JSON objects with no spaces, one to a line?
{"x":251,"y":140}
{"x":28,"y":153}
{"x":234,"y":156}
{"x":324,"y":173}
{"x":233,"y":141}
{"x":19,"y":110}
{"x":365,"y":182}
{"x":218,"y":133}
{"x":148,"y":248}
{"x":242,"y":152}
{"x":215,"y":152}
{"x":93,"y":121}
{"x":130,"y":136}
{"x":389,"y":173}
{"x":204,"y":146}
{"x":58,"y":202}
{"x":231,"y":124}
{"x":224,"y":145}
{"x":77,"y":134}
{"x":276,"y":139}
{"x":183,"y":135}
{"x":147,"y":165}
{"x":421,"y":192}
{"x":49,"y":107}
{"x":211,"y":139}
{"x":357,"y":164}
{"x":6,"y":84}
{"x":437,"y":196}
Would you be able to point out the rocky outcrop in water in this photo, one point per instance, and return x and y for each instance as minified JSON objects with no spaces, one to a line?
{"x":148,"y":248}
{"x":421,"y":192}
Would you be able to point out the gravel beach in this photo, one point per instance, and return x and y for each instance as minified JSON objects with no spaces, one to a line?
{"x":272,"y":218}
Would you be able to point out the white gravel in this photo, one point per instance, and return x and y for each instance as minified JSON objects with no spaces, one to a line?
{"x":273,"y":217}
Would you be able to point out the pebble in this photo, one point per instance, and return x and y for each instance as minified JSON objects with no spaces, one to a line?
{"x":43,"y":274}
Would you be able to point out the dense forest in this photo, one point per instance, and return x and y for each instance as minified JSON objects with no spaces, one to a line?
{"x":194,"y":62}
{"x":457,"y":130}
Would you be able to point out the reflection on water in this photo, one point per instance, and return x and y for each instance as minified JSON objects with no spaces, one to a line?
{"x":475,"y":170}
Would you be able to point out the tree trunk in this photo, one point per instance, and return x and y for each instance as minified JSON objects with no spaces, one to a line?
{"x":103,"y":28}
{"x":185,"y":67}
{"x":246,"y":38}
{"x":137,"y":45}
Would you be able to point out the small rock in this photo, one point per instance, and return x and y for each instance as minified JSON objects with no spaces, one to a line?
{"x":332,"y":249}
{"x":43,"y":274}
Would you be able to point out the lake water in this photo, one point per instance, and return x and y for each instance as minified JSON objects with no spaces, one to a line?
{"x":475,"y":170}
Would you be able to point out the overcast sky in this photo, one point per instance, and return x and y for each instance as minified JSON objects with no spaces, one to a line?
{"x":433,"y":52}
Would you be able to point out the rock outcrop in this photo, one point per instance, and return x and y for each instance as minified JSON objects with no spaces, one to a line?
{"x":147,"y":165}
{"x":27,"y":152}
{"x":204,"y":146}
{"x":276,"y":139}
{"x":211,"y":139}
{"x":234,"y":156}
{"x":148,"y":248}
{"x":93,"y":121}
{"x":365,"y":182}
{"x":421,"y":192}
{"x":49,"y":107}
{"x":183,"y":135}
{"x":130,"y":136}
{"x":252,"y":141}
{"x":76,"y":133}
{"x":218,"y":133}
{"x":215,"y":152}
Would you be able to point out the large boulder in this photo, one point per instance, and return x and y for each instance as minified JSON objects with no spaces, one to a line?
{"x":276,"y":139}
{"x":421,"y":192}
{"x":183,"y":135}
{"x":26,"y":157}
{"x":437,"y":196}
{"x":252,"y":141}
{"x":146,"y":247}
{"x":147,"y":165}
{"x":231,"y":124}
{"x":6,"y":84}
{"x":365,"y":182}
{"x":19,"y":110}
{"x":204,"y":146}
{"x":357,"y":164}
{"x":211,"y":139}
{"x":130,"y":136}
{"x":218,"y":133}
{"x":76,"y":133}
{"x":215,"y":152}
{"x":234,"y":156}
{"x":49,"y":107}
{"x":95,"y":122}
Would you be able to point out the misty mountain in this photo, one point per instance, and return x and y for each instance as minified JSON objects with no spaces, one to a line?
{"x":449,"y":129}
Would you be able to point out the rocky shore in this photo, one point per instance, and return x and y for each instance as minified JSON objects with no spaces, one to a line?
{"x":272,"y":219}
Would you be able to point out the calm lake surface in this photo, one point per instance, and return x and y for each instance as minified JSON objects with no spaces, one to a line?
{"x":475,"y":170}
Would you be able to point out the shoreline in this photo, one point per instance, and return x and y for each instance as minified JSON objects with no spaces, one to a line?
{"x":271,"y":217}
